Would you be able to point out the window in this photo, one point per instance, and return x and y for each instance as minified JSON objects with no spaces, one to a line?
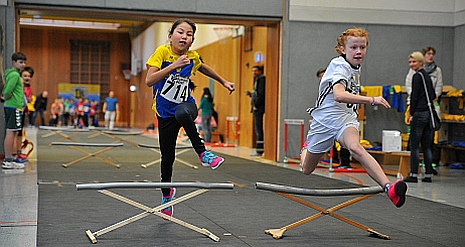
{"x":90,"y":63}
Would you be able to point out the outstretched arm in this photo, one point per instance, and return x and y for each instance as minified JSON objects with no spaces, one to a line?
{"x":208,"y":71}
{"x":341,"y":95}
{"x":154,"y":74}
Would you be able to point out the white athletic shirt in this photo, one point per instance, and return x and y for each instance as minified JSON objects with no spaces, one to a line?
{"x":327,"y":111}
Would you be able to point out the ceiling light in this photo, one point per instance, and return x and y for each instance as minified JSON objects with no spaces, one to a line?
{"x":69,"y":24}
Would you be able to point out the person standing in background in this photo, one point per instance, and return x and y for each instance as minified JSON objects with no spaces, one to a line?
{"x":55,"y":110}
{"x":206,"y":109}
{"x":258,"y":107}
{"x":31,"y":110}
{"x":435,"y":74}
{"x":26,"y":75}
{"x":432,"y":69}
{"x":13,"y":95}
{"x":111,"y":110}
{"x":66,"y":106}
{"x":94,"y":113}
{"x":40,"y":107}
{"x":86,"y":112}
{"x":421,"y":131}
{"x":80,"y":113}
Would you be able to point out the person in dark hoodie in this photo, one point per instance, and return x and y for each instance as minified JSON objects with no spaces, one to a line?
{"x":40,"y":107}
{"x":258,"y":107}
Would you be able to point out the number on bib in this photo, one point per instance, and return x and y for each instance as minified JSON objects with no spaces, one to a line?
{"x":175,"y":89}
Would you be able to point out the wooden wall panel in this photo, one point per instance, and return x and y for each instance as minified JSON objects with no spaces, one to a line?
{"x":222,"y":57}
{"x":272,"y":94}
{"x":259,"y":43}
{"x":230,"y":60}
{"x":48,"y":52}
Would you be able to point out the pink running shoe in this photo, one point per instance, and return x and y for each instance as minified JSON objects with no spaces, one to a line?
{"x":305,"y":145}
{"x":396,"y":192}
{"x":209,"y":159}
{"x":165,"y":199}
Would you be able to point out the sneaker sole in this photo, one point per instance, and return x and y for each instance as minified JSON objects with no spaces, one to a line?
{"x":401,"y":190}
{"x":219,"y":163}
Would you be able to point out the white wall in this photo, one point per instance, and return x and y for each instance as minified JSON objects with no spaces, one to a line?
{"x":145,"y":44}
{"x":446,"y":13}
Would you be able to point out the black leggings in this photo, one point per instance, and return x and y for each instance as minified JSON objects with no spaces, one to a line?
{"x":168,"y":129}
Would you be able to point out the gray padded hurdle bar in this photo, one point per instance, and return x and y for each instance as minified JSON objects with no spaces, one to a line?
{"x":63,"y":129}
{"x":60,"y":131}
{"x":201,"y":188}
{"x":88,"y":144}
{"x":142,"y":145}
{"x":318,"y":192}
{"x":286,"y":191}
{"x":123,"y":132}
{"x":151,"y":185}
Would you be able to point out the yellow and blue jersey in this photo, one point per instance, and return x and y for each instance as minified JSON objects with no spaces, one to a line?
{"x":174,"y":88}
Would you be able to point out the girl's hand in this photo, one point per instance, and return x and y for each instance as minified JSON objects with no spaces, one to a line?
{"x":230,"y":86}
{"x":380,"y":101}
{"x":182,"y":61}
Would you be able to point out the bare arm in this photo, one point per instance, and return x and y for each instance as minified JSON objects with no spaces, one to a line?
{"x":341,"y":95}
{"x":208,"y":71}
{"x":155,"y":75}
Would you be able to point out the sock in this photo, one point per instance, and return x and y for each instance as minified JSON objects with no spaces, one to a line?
{"x":413,"y":175}
{"x":427,"y":175}
{"x":386,"y":187}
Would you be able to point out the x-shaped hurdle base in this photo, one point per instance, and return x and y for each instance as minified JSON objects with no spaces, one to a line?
{"x":155,"y":149}
{"x":284,"y":191}
{"x":115,"y":134}
{"x":203,"y":187}
{"x":73,"y":145}
{"x":60,"y":130}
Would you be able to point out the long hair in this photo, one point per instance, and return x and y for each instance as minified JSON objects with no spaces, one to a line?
{"x":207,"y":94}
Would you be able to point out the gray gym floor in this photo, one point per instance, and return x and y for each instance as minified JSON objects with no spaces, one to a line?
{"x":239,"y":216}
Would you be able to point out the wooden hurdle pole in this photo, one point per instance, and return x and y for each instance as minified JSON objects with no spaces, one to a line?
{"x":201,"y":188}
{"x":285,"y":191}
{"x":155,"y":149}
{"x":127,"y":135}
{"x":73,"y":145}
{"x":60,"y":130}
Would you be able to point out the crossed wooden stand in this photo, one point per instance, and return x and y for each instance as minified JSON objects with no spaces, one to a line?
{"x":364,"y":193}
{"x":201,"y":188}
{"x":156,"y":149}
{"x":73,"y":145}
{"x":59,"y":131}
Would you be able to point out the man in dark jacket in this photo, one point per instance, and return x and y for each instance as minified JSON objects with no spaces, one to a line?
{"x":258,"y":107}
{"x":40,"y":107}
